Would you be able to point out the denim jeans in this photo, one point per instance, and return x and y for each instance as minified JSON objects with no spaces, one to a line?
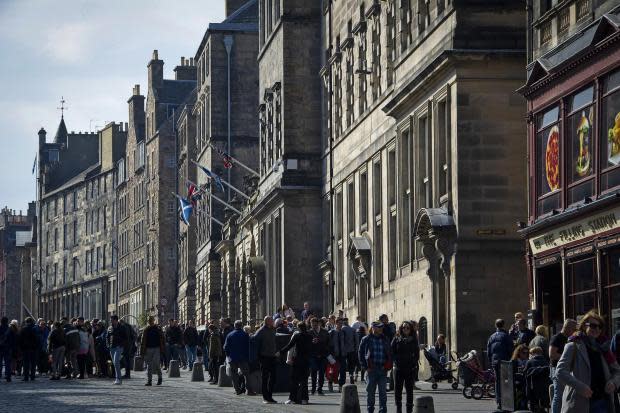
{"x":5,"y":358}
{"x":558,"y":390}
{"x":317,"y":367}
{"x":599,"y":406}
{"x":205,"y":357}
{"x":376,"y":378}
{"x":191,"y":355}
{"x":342,"y":373}
{"x":116,"y":353}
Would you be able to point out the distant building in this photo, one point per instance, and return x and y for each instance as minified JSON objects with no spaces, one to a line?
{"x":147,"y":209}
{"x":17,"y":287}
{"x":573,"y":133}
{"x":75,"y":232}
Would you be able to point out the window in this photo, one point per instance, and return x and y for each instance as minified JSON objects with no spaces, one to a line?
{"x":98,"y":213}
{"x":55,"y":239}
{"x":610,"y":132}
{"x":103,"y":260}
{"x":582,"y":295}
{"x":87,"y":260}
{"x":65,"y":203}
{"x":74,"y":269}
{"x":583,"y":8}
{"x":64,"y":271}
{"x":405,"y":24}
{"x":363,"y":201}
{"x":548,"y":166}
{"x":75,"y":200}
{"x":98,"y":259}
{"x":55,"y":273}
{"x":64,"y":236}
{"x":391,"y":40}
{"x":580,"y":144}
{"x":563,"y":21}
{"x":392,"y":214}
{"x":443,"y":150}
{"x":171,"y":207}
{"x":351,"y":207}
{"x":75,"y":232}
{"x":424,"y":198}
{"x":546,"y":32}
{"x":105,"y":217}
{"x":405,"y":194}
{"x":139,"y":154}
{"x":55,"y":207}
{"x":377,"y":196}
{"x":339,"y":248}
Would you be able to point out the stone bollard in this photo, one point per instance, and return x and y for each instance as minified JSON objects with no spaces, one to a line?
{"x":223,"y":379}
{"x":197,"y":374}
{"x":173,"y":369}
{"x":423,"y":404}
{"x":349,"y":401}
{"x":138,"y":363}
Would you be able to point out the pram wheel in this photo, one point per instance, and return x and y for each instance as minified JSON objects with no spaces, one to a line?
{"x":434,"y":386}
{"x":477,"y":392}
{"x":489,"y":389}
{"x":467,"y":392}
{"x":455,"y":385}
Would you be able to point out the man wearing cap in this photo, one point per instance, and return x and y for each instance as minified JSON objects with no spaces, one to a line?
{"x":374,"y":355}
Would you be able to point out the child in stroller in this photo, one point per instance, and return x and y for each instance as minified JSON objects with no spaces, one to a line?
{"x":440,"y":370}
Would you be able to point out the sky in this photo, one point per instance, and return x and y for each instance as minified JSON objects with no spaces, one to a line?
{"x":92,"y":53}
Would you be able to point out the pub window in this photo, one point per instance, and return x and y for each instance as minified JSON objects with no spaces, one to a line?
{"x":548,"y":166}
{"x":363,"y":201}
{"x":582,"y":286}
{"x":405,"y":194}
{"x":580,"y":144}
{"x":611,"y":290}
{"x":610,"y":132}
{"x":377,"y":197}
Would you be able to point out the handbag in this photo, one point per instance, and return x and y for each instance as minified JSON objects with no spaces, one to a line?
{"x":290,"y":356}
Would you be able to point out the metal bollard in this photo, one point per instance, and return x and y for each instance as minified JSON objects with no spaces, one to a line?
{"x":138,"y":363}
{"x":173,"y":369}
{"x":349,"y":400}
{"x":423,"y":404}
{"x":223,"y":379}
{"x":197,"y":374}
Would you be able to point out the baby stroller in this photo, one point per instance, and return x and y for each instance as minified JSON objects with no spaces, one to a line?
{"x":476,"y":382}
{"x":440,"y":370}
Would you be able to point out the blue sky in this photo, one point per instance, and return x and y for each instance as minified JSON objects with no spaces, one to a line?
{"x":92,"y":53}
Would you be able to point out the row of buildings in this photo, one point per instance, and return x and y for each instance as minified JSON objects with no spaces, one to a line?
{"x":444,"y":161}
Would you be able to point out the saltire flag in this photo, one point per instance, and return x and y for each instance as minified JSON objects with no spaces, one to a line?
{"x":226,"y":158}
{"x":186,"y":209}
{"x":193,"y":194}
{"x":216,"y":178}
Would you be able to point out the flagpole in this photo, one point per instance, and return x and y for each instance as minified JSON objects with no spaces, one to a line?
{"x":247,"y":168}
{"x":225,"y":203}
{"x":211,"y":217}
{"x":225,"y":183}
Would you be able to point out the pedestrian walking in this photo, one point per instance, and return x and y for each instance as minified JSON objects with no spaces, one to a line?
{"x":56,"y":348}
{"x":406,"y":354}
{"x":215,"y":353}
{"x":190,"y":338}
{"x":72,"y":338}
{"x":266,"y":345}
{"x":588,"y":369}
{"x":28,"y":343}
{"x":117,"y":340}
{"x":339,"y":353}
{"x":43,"y":356}
{"x":151,"y":347}
{"x":237,"y":349}
{"x":556,"y":348}
{"x":375,"y":356}
{"x":300,"y":345}
{"x":351,"y":345}
{"x":318,"y":355}
{"x":499,"y":348}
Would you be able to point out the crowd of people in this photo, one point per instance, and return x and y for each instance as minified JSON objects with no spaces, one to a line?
{"x":579,"y":362}
{"x":319,"y":350}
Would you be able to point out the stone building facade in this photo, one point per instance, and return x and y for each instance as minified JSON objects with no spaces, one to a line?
{"x":423,"y":180}
{"x":17,"y":289}
{"x":147,"y":209}
{"x":75,"y":231}
{"x":572,"y":231}
{"x":225,"y":113}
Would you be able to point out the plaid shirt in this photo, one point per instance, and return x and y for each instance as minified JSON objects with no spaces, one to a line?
{"x":374,"y":351}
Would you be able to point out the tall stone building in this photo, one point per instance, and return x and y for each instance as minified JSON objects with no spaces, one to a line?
{"x":147,"y":210}
{"x":225,"y":113}
{"x":17,"y":289}
{"x":422,"y":162}
{"x":573,"y":134}
{"x":75,"y":233}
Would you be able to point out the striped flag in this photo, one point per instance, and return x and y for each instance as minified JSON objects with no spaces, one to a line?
{"x":216,"y":178}
{"x":226,"y":158}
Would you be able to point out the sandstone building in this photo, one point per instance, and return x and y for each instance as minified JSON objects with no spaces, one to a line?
{"x":423,"y":163}
{"x":75,"y":231}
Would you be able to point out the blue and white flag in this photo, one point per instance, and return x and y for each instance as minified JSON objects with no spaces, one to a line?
{"x":216,"y":178}
{"x":186,"y":209}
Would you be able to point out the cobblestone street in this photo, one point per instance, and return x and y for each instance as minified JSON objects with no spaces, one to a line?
{"x":182,"y":395}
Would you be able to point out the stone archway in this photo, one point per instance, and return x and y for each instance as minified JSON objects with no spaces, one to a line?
{"x":436,"y":230}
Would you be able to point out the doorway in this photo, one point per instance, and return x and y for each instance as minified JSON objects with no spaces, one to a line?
{"x":550,"y":296}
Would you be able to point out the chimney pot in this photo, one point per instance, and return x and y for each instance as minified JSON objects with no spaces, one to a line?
{"x":191,"y":61}
{"x":182,"y":60}
{"x":155,"y":55}
{"x":136,"y":90}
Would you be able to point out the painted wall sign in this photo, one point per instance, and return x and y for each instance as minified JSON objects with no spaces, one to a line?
{"x":584,"y":228}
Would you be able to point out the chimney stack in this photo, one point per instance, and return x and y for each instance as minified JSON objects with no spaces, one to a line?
{"x":136,"y":113}
{"x":186,"y":70}
{"x":156,"y":72}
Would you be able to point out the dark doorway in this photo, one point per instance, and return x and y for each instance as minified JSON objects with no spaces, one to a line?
{"x":550,"y":295}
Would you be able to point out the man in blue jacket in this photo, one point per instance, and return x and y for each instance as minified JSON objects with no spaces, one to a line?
{"x":499,"y":348}
{"x":237,"y":349}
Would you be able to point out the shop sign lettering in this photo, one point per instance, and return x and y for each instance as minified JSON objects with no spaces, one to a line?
{"x":576,"y":231}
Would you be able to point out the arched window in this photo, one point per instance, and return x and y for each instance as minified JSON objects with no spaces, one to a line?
{"x":423,"y":331}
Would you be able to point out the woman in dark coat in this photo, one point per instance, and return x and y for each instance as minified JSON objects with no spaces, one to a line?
{"x":301,"y":341}
{"x":406,"y":354}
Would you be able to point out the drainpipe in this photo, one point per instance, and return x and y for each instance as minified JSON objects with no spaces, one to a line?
{"x":228,"y":43}
{"x":330,"y":92}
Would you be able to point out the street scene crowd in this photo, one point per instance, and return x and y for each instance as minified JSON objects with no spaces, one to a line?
{"x":579,"y":361}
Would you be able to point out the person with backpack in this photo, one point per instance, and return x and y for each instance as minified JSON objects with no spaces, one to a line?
{"x":56,"y":343}
{"x":72,"y":338}
{"x":117,"y":340}
{"x":29,"y":345}
{"x":300,"y":343}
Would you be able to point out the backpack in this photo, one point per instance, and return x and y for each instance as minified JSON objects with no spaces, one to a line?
{"x":84,"y":345}
{"x":73,"y":339}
